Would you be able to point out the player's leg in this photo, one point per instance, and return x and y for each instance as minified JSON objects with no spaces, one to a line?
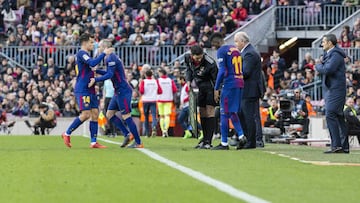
{"x":167,"y":111}
{"x":93,"y":127}
{"x":154,"y":119}
{"x":111,"y":116}
{"x":210,"y":115}
{"x":146,"y":107}
{"x":160,"y":106}
{"x":124,"y":104}
{"x":224,"y":120}
{"x":83,"y":102}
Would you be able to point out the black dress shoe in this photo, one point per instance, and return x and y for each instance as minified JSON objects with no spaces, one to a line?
{"x":346,"y":151}
{"x":260,"y":144}
{"x":221,"y":147}
{"x":249,"y":146}
{"x":241,"y":143}
{"x":335,"y":150}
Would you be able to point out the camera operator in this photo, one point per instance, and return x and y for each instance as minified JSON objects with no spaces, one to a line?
{"x":352,"y":121}
{"x":300,"y":113}
{"x":47,"y":119}
{"x":274,"y":116}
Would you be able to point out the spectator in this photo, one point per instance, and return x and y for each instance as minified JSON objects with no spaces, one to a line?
{"x":298,"y":82}
{"x":285,"y":81}
{"x":21,"y":108}
{"x":239,"y":13}
{"x":68,"y":111}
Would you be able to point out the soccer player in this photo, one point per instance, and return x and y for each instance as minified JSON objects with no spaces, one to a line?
{"x":85,"y":96}
{"x":121,"y":100}
{"x":231,"y":78}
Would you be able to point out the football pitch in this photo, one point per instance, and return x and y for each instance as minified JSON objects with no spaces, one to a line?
{"x":41,"y":169}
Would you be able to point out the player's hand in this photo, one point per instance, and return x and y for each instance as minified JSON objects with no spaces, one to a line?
{"x":92,"y":82}
{"x":108,"y":51}
{"x":216,"y":96}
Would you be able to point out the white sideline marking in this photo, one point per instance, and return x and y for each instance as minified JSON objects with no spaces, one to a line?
{"x":228,"y":189}
{"x":321,"y":163}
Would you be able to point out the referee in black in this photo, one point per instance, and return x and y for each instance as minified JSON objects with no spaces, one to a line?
{"x":201,"y":72}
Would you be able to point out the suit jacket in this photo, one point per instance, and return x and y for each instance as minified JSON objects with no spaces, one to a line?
{"x":253,"y":77}
{"x":334,"y":81}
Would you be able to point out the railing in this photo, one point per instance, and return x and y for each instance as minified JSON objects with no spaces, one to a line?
{"x":353,"y":53}
{"x":338,"y":28}
{"x":153,"y":55}
{"x":262,"y":23}
{"x":313,"y":89}
{"x":312,"y":16}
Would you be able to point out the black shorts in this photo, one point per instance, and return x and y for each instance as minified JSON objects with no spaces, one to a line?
{"x":206,"y":97}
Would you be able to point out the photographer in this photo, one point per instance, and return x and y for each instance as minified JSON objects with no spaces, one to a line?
{"x":300,"y":113}
{"x":46,"y":120}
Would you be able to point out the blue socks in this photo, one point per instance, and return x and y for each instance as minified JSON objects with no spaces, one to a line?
{"x":236,"y":123}
{"x":74,"y":125}
{"x":132,"y":126}
{"x":93,"y":130}
{"x":224,"y":125}
{"x":224,"y":128}
{"x":119,"y":124}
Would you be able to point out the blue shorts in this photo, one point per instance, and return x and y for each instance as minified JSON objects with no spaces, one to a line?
{"x":230,"y":100}
{"x":86,"y":101}
{"x":121,"y":102}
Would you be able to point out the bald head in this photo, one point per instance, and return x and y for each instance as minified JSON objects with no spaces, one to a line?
{"x":242,"y":36}
{"x":241,"y":39}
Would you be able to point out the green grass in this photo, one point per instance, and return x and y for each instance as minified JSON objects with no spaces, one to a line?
{"x":41,"y":169}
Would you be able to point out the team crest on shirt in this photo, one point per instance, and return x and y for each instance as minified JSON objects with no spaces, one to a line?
{"x":201,"y":70}
{"x":220,"y":60}
{"x":86,"y":57}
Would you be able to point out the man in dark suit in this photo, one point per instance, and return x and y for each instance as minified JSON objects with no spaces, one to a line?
{"x":253,"y":88}
{"x":332,"y":68}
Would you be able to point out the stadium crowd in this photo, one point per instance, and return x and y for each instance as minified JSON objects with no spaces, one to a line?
{"x":132,"y":22}
{"x":50,"y":24}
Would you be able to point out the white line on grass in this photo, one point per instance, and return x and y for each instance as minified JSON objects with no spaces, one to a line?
{"x":322,"y":163}
{"x":226,"y":188}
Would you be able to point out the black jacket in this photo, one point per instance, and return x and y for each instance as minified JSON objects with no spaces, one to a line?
{"x":205,"y":74}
